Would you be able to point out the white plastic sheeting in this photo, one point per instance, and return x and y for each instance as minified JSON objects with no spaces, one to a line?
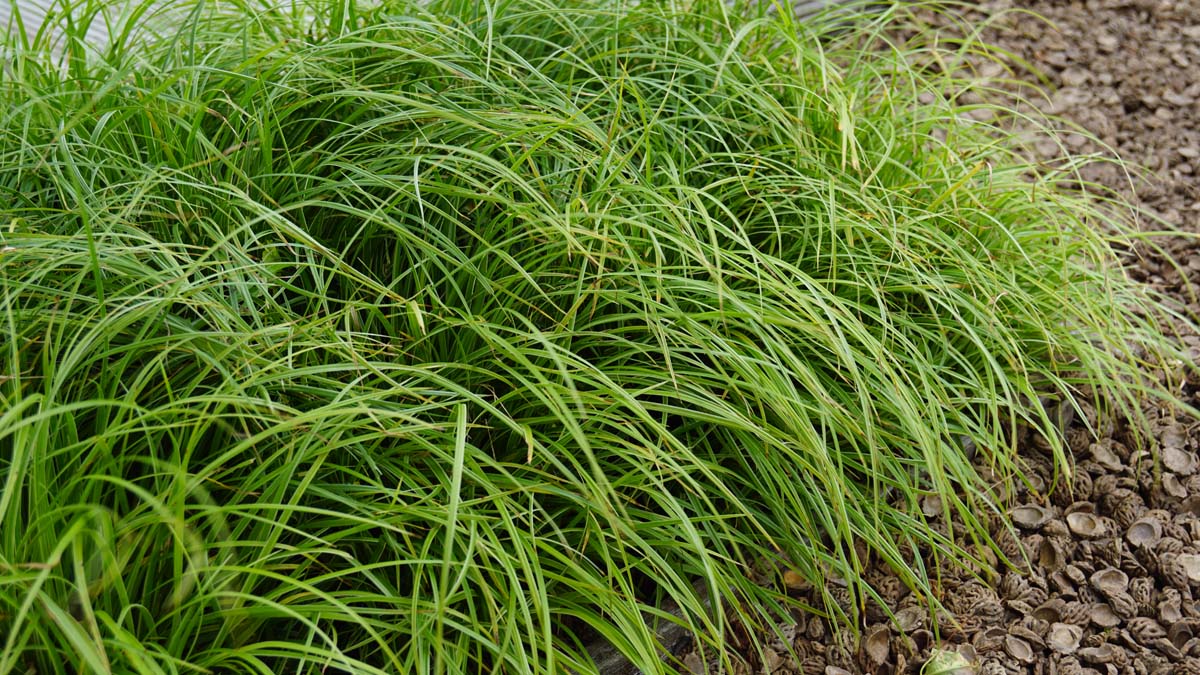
{"x":33,"y":13}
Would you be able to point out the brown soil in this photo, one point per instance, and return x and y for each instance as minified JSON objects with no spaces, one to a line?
{"x":1114,"y":586}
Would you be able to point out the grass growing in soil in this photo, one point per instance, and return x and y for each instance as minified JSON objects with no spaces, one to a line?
{"x":445,"y":336}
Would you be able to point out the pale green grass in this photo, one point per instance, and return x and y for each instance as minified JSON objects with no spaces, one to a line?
{"x":422,"y":338}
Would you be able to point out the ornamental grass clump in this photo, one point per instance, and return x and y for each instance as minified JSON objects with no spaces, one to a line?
{"x":452,"y":336}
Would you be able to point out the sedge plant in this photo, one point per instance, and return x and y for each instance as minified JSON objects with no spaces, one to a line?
{"x":454,"y":336}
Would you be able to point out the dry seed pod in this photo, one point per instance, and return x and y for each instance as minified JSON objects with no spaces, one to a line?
{"x":1173,"y":486}
{"x":1170,"y":606}
{"x":989,"y":640}
{"x":910,"y":619}
{"x":1126,"y":511}
{"x":967,"y":651}
{"x":1141,"y":589}
{"x":1148,"y":558}
{"x":1108,"y":552}
{"x":1172,"y":571}
{"x":931,"y":506}
{"x":1189,"y":525}
{"x":1069,"y":665}
{"x":1182,"y":632}
{"x":1008,"y":544}
{"x":1057,"y":528}
{"x":1062,"y":584}
{"x":1178,"y":460}
{"x":1076,"y":574}
{"x":1163,"y":646}
{"x":1051,"y":554}
{"x":816,"y":631}
{"x":1130,"y":564}
{"x":877,"y":645}
{"x":1064,"y":637}
{"x":1050,"y":611}
{"x":1019,"y":607}
{"x":1081,"y":485}
{"x":1031,"y":543}
{"x":1099,"y":656}
{"x":1103,"y":615}
{"x":1190,"y":562}
{"x":1110,"y":581}
{"x":1081,"y":506}
{"x":813,"y":665}
{"x":1104,"y":455}
{"x":1077,"y":613}
{"x":1144,"y":532}
{"x":1094,"y":640}
{"x":1144,"y":629}
{"x":987,"y":611}
{"x":1012,"y":586}
{"x":1104,"y":485}
{"x":993,"y":667}
{"x":1034,"y":596}
{"x":1030,"y":516}
{"x":1168,"y":545}
{"x":1086,"y":525}
{"x":1030,"y":630}
{"x":1123,"y":605}
{"x":1110,"y":501}
{"x":841,"y":651}
{"x":1019,"y":649}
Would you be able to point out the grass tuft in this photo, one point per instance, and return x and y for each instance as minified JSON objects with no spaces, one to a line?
{"x":444,"y":336}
